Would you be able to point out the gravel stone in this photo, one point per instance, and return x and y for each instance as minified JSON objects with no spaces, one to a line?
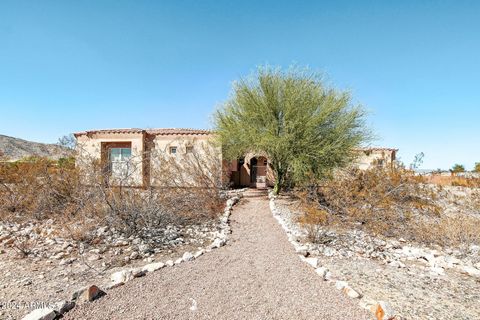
{"x":418,"y":282}
{"x":257,"y":275}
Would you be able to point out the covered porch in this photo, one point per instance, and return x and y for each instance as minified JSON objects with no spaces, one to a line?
{"x":252,"y":171}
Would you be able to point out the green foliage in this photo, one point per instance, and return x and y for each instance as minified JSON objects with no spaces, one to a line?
{"x":457,"y":168}
{"x":68,"y":163}
{"x":477,"y":167}
{"x":31,"y":159}
{"x":305,"y":128}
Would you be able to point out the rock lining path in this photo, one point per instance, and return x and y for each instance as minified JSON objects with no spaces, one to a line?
{"x":257,"y":275}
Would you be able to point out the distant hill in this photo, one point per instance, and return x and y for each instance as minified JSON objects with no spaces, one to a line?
{"x":15,"y":149}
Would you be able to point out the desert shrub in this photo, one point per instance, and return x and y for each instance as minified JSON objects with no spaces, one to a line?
{"x":39,"y":188}
{"x":458,"y":231}
{"x":380,"y":201}
{"x":184,"y":189}
{"x":314,"y":220}
{"x":391,"y":204}
{"x":193,"y":180}
{"x":66,"y":162}
{"x":455,"y":181}
{"x":81,"y":197}
{"x":20,"y":184}
{"x":458,"y":168}
{"x":23,"y":245}
{"x":133,"y":210}
{"x":477,"y":167}
{"x":459,"y":183}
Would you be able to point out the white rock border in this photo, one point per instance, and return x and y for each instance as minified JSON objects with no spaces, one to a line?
{"x":121,"y":277}
{"x":381,"y":309}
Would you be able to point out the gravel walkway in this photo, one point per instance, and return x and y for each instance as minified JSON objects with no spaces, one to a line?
{"x":256,"y":276}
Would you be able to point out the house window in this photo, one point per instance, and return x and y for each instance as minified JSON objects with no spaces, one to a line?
{"x":119,"y":159}
{"x":120,"y":154}
{"x":173,"y":150}
{"x":189,"y":149}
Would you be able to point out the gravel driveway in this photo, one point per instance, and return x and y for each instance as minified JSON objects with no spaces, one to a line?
{"x":256,"y":276}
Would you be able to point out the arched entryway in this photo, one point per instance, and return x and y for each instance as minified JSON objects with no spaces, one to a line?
{"x":258,"y":172}
{"x":250,"y":171}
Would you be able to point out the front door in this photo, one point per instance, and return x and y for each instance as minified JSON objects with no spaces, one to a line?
{"x":253,"y":170}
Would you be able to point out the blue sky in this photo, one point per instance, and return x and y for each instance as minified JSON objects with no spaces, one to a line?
{"x":67,"y":66}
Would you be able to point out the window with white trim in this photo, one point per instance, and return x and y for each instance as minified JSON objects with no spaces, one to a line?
{"x":119,"y":159}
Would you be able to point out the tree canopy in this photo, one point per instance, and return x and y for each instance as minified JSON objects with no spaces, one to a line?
{"x":458,"y":168}
{"x":477,"y":167}
{"x":305,"y":128}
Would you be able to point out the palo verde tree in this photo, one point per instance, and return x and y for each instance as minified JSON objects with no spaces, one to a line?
{"x":305,"y":128}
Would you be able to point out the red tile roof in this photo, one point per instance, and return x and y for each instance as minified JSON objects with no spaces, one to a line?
{"x":161,"y":131}
{"x":377,"y":149}
{"x":178,"y":131}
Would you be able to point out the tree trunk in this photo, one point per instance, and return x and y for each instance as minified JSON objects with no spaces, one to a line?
{"x":276,"y":188}
{"x":279,"y":181}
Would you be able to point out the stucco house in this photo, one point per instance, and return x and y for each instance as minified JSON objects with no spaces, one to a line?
{"x":254,"y":170}
{"x":369,"y":158}
{"x":132,"y":151}
{"x":118,"y":149}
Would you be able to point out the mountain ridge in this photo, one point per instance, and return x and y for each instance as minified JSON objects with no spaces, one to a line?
{"x":13,"y":148}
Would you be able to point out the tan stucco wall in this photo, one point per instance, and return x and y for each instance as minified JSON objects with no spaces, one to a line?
{"x":89,"y":147}
{"x":163,"y":143}
{"x":368,"y":160}
{"x":201,"y":144}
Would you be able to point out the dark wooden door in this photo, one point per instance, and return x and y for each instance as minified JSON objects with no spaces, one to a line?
{"x":253,"y":170}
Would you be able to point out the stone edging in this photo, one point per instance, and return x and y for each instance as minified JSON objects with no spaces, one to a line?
{"x":381,"y":309}
{"x":119,"y":278}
